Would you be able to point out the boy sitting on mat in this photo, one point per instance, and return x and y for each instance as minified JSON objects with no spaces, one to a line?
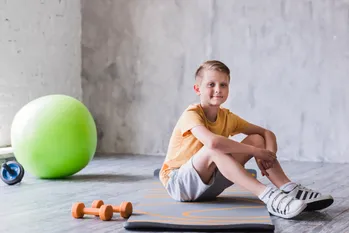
{"x":202,"y":161}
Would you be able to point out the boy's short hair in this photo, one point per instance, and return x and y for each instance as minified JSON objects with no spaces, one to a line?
{"x":212,"y":65}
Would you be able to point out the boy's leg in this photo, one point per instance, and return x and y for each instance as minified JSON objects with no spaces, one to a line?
{"x":206,"y":161}
{"x":204,"y":165}
{"x":276,"y":173}
{"x":253,"y":140}
{"x":221,"y":182}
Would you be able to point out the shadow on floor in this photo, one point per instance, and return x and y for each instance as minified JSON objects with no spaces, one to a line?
{"x":104,"y":178}
{"x":313,"y":216}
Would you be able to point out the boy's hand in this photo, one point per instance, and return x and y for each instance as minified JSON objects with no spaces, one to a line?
{"x":264,"y":166}
{"x":265,"y":155}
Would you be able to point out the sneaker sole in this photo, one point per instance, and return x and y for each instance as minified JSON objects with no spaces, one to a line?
{"x":319,"y":205}
{"x":300,"y":210}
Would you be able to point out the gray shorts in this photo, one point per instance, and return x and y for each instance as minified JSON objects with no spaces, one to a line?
{"x":185,"y":184}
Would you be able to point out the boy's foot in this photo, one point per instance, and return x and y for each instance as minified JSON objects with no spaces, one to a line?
{"x":314,"y":200}
{"x":282,"y":205}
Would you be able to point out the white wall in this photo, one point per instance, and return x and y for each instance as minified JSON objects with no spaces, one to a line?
{"x":40,"y":54}
{"x":289,"y":62}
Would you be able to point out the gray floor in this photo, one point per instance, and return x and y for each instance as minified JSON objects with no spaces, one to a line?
{"x":44,"y":205}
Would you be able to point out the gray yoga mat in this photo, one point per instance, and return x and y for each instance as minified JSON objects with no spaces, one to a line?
{"x":234,"y":209}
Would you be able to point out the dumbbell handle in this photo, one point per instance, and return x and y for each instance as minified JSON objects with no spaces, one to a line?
{"x":8,"y":169}
{"x":91,"y":211}
{"x":116,"y":208}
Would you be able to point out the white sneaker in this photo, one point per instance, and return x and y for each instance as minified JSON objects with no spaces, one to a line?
{"x":284,"y":206}
{"x":314,"y":200}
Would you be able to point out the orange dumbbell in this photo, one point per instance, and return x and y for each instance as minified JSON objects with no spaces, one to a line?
{"x":105,"y":212}
{"x":125,"y":208}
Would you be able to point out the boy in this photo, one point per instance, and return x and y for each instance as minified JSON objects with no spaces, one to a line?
{"x":202,"y":161}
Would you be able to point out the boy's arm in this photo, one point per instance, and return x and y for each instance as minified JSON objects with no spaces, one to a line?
{"x":226,"y":145}
{"x":269,"y":136}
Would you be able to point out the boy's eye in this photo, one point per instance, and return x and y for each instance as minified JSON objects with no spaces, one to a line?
{"x":211,"y":84}
{"x":223,"y":84}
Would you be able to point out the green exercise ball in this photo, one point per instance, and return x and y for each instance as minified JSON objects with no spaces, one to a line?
{"x":54,"y":136}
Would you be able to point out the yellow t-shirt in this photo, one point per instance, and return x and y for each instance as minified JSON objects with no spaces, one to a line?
{"x":183,"y":144}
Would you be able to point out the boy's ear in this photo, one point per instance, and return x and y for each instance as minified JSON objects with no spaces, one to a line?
{"x":196,"y":89}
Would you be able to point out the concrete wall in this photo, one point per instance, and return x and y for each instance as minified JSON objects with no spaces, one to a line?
{"x":40,"y":54}
{"x":289,"y":62}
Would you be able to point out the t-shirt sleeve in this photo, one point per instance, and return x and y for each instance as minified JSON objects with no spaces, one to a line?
{"x":239,"y":124}
{"x":189,"y":120}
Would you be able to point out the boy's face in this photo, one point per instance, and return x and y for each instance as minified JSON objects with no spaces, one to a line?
{"x":213,"y":88}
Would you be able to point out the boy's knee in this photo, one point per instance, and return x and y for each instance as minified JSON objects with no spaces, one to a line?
{"x":204,"y":159}
{"x":257,"y":140}
{"x":209,"y":154}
